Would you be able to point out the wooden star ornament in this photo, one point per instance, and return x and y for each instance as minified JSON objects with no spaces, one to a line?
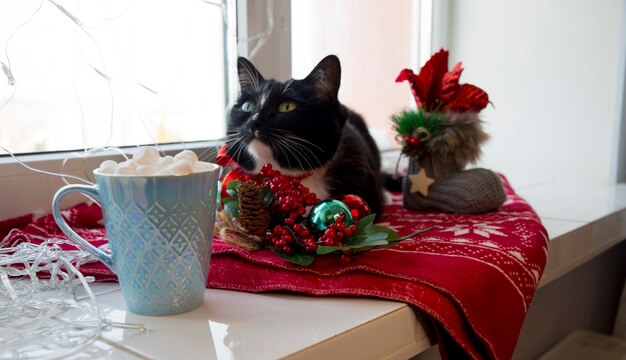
{"x":420,"y":182}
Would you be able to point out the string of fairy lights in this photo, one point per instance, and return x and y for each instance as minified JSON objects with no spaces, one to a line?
{"x":32,"y":325}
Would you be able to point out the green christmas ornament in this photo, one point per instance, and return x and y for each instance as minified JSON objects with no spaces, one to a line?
{"x":325,"y":212}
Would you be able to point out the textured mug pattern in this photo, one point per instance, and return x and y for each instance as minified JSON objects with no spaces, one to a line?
{"x":160,"y":231}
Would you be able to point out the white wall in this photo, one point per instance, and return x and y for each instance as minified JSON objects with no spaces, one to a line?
{"x":554,"y":72}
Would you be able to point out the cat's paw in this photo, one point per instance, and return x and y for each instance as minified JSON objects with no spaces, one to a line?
{"x":387,"y":200}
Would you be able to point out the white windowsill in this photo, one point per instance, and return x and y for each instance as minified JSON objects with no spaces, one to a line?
{"x":243,"y":325}
{"x":582,"y":219}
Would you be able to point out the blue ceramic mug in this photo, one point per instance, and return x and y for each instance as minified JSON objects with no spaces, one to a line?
{"x":160,"y":230}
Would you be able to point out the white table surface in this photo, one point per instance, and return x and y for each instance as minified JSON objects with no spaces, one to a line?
{"x":582,"y":219}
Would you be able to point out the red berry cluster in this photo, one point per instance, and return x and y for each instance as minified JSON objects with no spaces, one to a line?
{"x":337,"y":232}
{"x":412,"y":141}
{"x":292,"y":198}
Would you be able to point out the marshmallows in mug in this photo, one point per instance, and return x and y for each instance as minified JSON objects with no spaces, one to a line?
{"x":147,"y":162}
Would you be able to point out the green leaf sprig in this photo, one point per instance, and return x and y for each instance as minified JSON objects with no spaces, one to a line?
{"x":231,"y":204}
{"x":369,"y":236}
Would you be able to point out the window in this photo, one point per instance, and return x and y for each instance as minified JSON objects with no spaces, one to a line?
{"x":85,"y":74}
{"x":126,"y":72}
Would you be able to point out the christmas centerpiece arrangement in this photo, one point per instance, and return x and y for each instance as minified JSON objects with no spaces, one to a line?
{"x":272,"y":210}
{"x":440,"y":138}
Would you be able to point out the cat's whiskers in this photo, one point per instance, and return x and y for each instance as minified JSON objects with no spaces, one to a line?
{"x":296,"y":138}
{"x":208,"y":154}
{"x":281,"y":147}
{"x":229,"y":138}
{"x":241,"y":147}
{"x":237,"y":143}
{"x":284,"y":149}
{"x":301,"y":143}
{"x":296,"y":150}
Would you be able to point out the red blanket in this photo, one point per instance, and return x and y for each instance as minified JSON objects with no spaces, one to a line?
{"x":474,"y":275}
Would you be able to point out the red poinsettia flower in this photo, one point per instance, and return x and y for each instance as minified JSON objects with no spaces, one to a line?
{"x":437,"y":89}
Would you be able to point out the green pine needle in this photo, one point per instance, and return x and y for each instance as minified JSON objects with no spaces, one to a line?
{"x":406,"y":122}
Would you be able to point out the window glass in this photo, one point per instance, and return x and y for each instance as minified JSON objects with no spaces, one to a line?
{"x":83,"y":74}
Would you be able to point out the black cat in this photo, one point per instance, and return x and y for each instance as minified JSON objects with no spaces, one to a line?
{"x":299,"y":127}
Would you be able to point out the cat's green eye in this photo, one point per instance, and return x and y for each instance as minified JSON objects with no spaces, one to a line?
{"x":287,"y":106}
{"x":248,"y":106}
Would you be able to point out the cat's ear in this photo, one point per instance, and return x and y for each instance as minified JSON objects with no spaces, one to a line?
{"x":326,"y":78}
{"x":249,"y":76}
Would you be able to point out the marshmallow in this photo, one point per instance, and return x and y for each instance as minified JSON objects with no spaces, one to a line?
{"x":147,"y":162}
{"x":181,"y":167}
{"x":164,"y":172}
{"x":146,"y":155}
{"x":107,"y":167}
{"x":125,"y":169}
{"x":187,"y":154}
{"x":146,"y":169}
{"x":166,"y":161}
{"x":130,"y":163}
{"x":201,"y":166}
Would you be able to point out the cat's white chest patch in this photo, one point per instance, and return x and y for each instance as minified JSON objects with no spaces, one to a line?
{"x":315,"y":183}
{"x":262,"y":154}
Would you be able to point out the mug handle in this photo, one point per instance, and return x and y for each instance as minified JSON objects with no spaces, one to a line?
{"x":91,"y":191}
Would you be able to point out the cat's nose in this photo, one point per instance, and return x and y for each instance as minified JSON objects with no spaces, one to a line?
{"x":252,"y":127}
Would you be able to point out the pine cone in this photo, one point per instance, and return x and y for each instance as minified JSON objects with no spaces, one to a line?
{"x":254,"y":217}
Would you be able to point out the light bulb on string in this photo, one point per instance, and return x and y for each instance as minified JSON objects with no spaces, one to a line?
{"x":7,"y":72}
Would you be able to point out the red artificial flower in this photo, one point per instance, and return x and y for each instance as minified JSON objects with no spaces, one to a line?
{"x":223,"y":158}
{"x":437,"y":89}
